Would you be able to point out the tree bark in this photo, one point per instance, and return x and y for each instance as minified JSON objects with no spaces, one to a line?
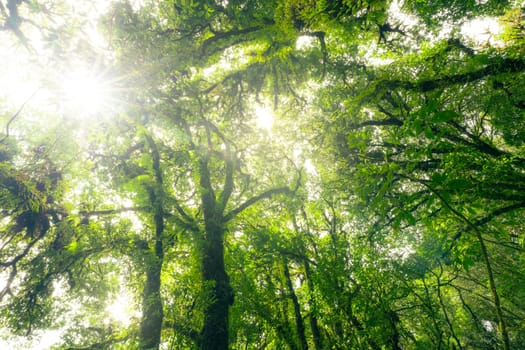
{"x":394,"y":337}
{"x":214,"y":333}
{"x":314,"y":325}
{"x":151,"y":323}
{"x":299,"y":323}
{"x":152,"y":309}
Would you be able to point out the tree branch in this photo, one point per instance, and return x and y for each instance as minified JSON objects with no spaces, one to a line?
{"x":88,"y":213}
{"x":258,"y":198}
{"x":16,"y":114}
{"x":226,"y":35}
{"x":506,"y":65}
{"x":491,"y":216}
{"x":320,"y":35}
{"x":20,"y":256}
{"x":229,"y":166}
{"x":485,"y":255}
{"x":183,"y":329}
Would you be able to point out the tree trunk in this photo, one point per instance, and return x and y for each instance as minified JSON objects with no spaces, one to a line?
{"x":152,"y":309}
{"x":299,"y":324}
{"x":214,"y":334}
{"x":152,"y":313}
{"x":314,"y":326}
{"x":394,"y":337}
{"x":151,"y":324}
{"x":502,"y":327}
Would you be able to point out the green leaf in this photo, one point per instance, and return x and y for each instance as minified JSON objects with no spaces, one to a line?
{"x":459,"y":184}
{"x":444,"y":116}
{"x":72,"y":247}
{"x":467,"y":263}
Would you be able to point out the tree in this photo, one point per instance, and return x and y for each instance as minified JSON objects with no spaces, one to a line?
{"x":436,"y":146}
{"x":383,"y":209}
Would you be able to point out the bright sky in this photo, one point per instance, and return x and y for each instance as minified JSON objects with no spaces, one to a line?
{"x":264,"y":117}
{"x":40,"y":341}
{"x":84,"y":91}
{"x":482,"y":31}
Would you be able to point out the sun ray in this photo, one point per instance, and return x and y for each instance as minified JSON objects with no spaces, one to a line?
{"x":264,"y":118}
{"x":84,"y":92}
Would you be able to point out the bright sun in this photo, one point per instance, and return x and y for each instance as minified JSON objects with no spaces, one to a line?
{"x":84,"y":92}
{"x":264,"y":117}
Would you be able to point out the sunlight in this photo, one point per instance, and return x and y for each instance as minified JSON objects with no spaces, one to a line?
{"x":84,"y":92}
{"x":482,"y":31}
{"x":264,"y":117}
{"x":37,"y":341}
{"x":119,"y":310}
{"x":305,"y":42}
{"x":16,"y":86}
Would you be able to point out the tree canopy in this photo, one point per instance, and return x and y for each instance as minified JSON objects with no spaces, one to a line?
{"x":249,"y":174}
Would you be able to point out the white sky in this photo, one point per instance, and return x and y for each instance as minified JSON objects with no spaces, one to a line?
{"x":482,"y":31}
{"x":41,"y":341}
{"x":264,"y":117}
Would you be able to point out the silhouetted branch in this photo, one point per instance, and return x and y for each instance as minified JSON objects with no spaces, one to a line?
{"x":264,"y":195}
{"x":16,"y":114}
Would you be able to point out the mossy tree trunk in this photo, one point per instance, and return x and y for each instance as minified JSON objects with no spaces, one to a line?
{"x":214,"y":333}
{"x":152,"y":307}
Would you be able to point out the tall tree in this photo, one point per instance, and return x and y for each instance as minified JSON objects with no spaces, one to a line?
{"x":383,"y":209}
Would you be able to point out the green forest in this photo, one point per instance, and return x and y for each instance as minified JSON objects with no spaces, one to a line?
{"x":262,"y":174}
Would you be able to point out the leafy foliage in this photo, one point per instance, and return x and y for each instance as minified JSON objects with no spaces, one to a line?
{"x":382,"y":209}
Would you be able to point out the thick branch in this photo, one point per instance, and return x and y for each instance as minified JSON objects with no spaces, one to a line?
{"x":299,"y":323}
{"x":228,"y":166}
{"x":226,"y":35}
{"x":320,"y":35}
{"x":88,"y":213}
{"x":491,"y":216}
{"x":228,"y":183}
{"x":248,"y":203}
{"x":382,"y":122}
{"x":508,"y":65}
{"x":8,"y":282}
{"x":20,"y":256}
{"x":477,"y":142}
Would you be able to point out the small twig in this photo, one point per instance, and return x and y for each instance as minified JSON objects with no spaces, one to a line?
{"x":16,"y":114}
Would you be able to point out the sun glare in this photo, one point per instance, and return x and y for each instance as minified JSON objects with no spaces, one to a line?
{"x":264,"y":117}
{"x":482,"y":31}
{"x":84,"y":92}
{"x":119,"y":310}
